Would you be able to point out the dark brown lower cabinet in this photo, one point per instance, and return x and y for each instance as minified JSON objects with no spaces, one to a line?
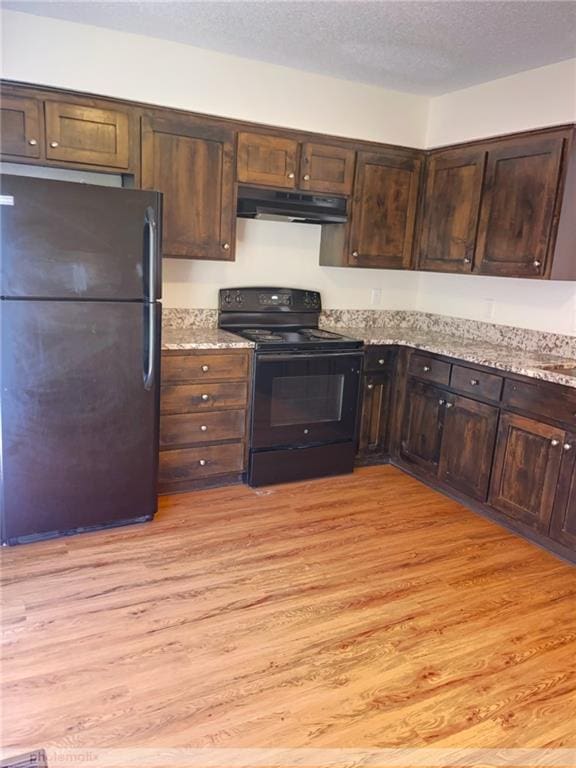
{"x":424,"y":411}
{"x":563,"y":527}
{"x":373,"y":437}
{"x":468,"y":440}
{"x":527,"y":470}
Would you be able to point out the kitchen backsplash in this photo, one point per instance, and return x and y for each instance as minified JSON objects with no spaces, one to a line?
{"x":503,"y":335}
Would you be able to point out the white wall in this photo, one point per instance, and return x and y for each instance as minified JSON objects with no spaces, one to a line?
{"x":62,"y":54}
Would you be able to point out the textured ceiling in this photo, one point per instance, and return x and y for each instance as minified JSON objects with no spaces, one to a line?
{"x":427,"y":47}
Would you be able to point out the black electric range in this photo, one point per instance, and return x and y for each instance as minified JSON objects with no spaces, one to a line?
{"x":306,"y":384}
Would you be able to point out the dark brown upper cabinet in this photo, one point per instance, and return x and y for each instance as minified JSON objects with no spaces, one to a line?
{"x":87,"y":135}
{"x":21,"y":126}
{"x":517,"y":218}
{"x":327,"y":169}
{"x":269,"y":161}
{"x":384,"y":210}
{"x":563,"y":527}
{"x":451,"y":206}
{"x":192,"y":163}
{"x":527,"y":496}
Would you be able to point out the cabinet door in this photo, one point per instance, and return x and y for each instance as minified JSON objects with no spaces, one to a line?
{"x":20,"y":126}
{"x":87,"y":135}
{"x":191,"y":162}
{"x":267,"y":160}
{"x":517,"y":214}
{"x":468,"y":444}
{"x":375,"y":413}
{"x":327,"y":169}
{"x":563,"y":527}
{"x":526,"y":470}
{"x":423,"y":424}
{"x":384,"y":211}
{"x":451,"y":208}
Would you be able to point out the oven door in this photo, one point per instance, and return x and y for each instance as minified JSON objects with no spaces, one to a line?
{"x":305,"y":399}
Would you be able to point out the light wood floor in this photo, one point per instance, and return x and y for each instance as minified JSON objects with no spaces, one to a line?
{"x":362,"y":611}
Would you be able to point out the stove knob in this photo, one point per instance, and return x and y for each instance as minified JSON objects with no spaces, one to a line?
{"x":227,"y":298}
{"x":239,"y":299}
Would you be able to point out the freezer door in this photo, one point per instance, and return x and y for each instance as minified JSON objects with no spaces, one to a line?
{"x":79,"y":414}
{"x":65,"y":240}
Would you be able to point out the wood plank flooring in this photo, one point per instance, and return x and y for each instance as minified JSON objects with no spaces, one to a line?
{"x":361,"y":611}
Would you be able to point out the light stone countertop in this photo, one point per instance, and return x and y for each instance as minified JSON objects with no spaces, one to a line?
{"x":202,"y":338}
{"x":470,"y":350}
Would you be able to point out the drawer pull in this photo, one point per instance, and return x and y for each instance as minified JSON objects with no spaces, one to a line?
{"x":203,"y":428}
{"x":306,"y":177}
{"x":567,"y":447}
{"x":205,"y":397}
{"x":370,"y":386}
{"x":441,"y":402}
{"x":381,"y":361}
{"x":537,"y":263}
{"x":202,"y":462}
{"x":32,"y":142}
{"x":474,"y":382}
{"x":554,"y":443}
{"x":54,"y":144}
{"x":449,"y":405}
{"x":205,"y":368}
{"x":291,"y":175}
{"x":426,"y":368}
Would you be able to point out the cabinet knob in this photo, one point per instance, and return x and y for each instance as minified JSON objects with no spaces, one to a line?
{"x":466,"y":260}
{"x":370,"y":386}
{"x":32,"y":142}
{"x":426,"y":368}
{"x":306,"y":177}
{"x":381,"y":361}
{"x":205,"y":368}
{"x":291,"y":175}
{"x":354,"y":254}
{"x":554,"y":443}
{"x":474,"y":382}
{"x":537,"y":263}
{"x":226,"y":246}
{"x":567,"y":447}
{"x":203,"y":428}
{"x":205,"y":397}
{"x":54,"y":144}
{"x":202,"y":462}
{"x":449,"y":405}
{"x":441,"y":402}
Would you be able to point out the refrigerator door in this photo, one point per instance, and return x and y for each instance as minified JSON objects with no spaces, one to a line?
{"x":79,"y":415}
{"x":64,"y":240}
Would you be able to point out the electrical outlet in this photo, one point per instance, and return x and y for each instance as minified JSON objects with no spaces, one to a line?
{"x":376,"y":297}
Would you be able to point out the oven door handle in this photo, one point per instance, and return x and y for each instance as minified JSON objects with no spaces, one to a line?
{"x":265,"y":357}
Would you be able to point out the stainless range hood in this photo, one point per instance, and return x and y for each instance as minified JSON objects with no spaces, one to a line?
{"x":299,"y":207}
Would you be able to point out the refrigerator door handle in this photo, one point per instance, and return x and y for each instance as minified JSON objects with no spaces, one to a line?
{"x":150,"y":345}
{"x":152,"y":226}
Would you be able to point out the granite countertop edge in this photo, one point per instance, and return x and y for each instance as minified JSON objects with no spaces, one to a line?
{"x":501,"y":358}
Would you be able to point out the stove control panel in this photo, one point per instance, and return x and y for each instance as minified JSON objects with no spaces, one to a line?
{"x":269,"y":300}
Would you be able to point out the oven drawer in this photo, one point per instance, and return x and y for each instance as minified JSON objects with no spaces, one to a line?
{"x":187,"y":464}
{"x":204,"y":366}
{"x":187,"y":398}
{"x":191,"y":428}
{"x":479,"y":383}
{"x":430,"y":369}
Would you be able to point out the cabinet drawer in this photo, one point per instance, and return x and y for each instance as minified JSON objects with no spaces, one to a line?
{"x":187,"y":398}
{"x":204,"y":366}
{"x":190,"y":428}
{"x":378,"y":358}
{"x":196,"y":463}
{"x":478,"y":383}
{"x":542,"y":399}
{"x":429,"y":368}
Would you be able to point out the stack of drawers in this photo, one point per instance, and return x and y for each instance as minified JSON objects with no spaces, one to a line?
{"x":203,"y":422}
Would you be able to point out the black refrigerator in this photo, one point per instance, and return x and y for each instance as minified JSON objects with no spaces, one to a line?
{"x":80,"y":323}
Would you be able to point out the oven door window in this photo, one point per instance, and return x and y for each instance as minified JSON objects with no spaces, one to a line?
{"x":306,"y":399}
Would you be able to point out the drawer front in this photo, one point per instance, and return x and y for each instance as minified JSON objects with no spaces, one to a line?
{"x":378,"y":358}
{"x":547,"y":400}
{"x":430,"y":369}
{"x":187,"y":398}
{"x":487,"y":385}
{"x":190,"y":428}
{"x":204,"y":366}
{"x":197,"y":463}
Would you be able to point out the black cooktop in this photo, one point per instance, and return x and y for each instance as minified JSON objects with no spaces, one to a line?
{"x":296,"y":338}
